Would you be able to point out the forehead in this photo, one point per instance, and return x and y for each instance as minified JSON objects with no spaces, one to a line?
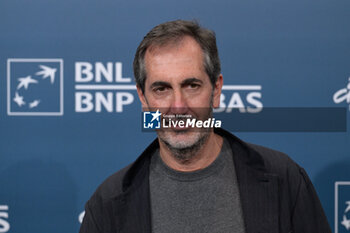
{"x":175,"y":54}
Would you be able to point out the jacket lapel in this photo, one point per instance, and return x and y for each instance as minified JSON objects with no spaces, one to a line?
{"x":259,"y":199}
{"x":258,"y":189}
{"x":132,"y":209}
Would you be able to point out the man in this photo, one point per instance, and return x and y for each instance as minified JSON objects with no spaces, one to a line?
{"x":198,"y":180}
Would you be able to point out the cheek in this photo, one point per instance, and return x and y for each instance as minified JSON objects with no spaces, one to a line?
{"x":201,"y":100}
{"x":161,"y":103}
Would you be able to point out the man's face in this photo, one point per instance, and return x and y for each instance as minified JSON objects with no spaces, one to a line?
{"x":177,"y":84}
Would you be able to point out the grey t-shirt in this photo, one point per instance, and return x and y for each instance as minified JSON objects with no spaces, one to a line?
{"x":202,"y":201}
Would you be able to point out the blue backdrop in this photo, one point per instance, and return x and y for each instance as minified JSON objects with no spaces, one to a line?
{"x":69,"y":113}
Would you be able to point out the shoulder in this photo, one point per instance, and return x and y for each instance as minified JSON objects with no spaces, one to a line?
{"x":256,"y":157}
{"x":298,"y":197}
{"x":275,"y":161}
{"x":116,"y":184}
{"x":279,"y":163}
{"x":291,"y":176}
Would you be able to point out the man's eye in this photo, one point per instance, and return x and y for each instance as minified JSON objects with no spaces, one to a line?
{"x":193,"y":86}
{"x":159,"y":89}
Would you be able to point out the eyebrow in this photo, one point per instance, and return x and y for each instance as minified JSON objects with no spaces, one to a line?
{"x":160,"y":83}
{"x":190,"y":81}
{"x":183,"y":83}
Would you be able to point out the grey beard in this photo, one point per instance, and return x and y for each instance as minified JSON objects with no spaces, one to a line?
{"x":186,"y":154}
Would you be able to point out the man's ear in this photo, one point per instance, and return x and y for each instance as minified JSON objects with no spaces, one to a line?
{"x":217,"y":91}
{"x":142,"y":98}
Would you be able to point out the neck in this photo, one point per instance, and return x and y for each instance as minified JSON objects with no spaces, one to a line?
{"x":202,"y":157}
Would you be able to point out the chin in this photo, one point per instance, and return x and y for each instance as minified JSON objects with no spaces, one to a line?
{"x":182,"y":139}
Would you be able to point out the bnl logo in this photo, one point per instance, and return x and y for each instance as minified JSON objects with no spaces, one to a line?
{"x":35,"y":87}
{"x":342,"y":207}
{"x":151,"y":120}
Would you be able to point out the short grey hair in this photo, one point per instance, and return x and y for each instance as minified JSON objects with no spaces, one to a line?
{"x":172,"y":32}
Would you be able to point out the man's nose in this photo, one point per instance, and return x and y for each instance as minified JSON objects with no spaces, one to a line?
{"x":179,"y":103}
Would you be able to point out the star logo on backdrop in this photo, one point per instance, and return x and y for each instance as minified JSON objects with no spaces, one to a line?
{"x":346,"y":222}
{"x":18,"y":99}
{"x":35,"y":87}
{"x":25,"y":81}
{"x":47,"y":72}
{"x":34,"y":104}
{"x":26,"y":84}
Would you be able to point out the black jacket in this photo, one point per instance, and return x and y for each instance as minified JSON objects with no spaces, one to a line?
{"x":276,"y":195}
